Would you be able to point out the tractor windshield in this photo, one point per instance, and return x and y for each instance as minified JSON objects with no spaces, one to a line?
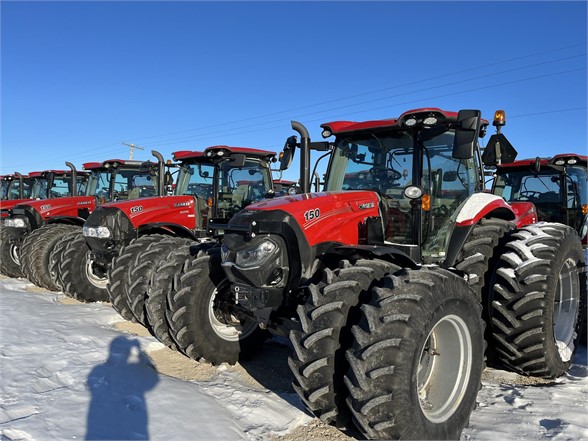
{"x":392,"y":161}
{"x":99,"y":184}
{"x":240,"y":186}
{"x":5,"y":184}
{"x":133,"y":183}
{"x":14,"y":189}
{"x":195,"y":180}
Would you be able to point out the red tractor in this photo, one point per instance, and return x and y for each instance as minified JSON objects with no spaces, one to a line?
{"x":51,"y":191}
{"x":22,"y":188}
{"x":386,"y":281}
{"x":37,"y":225}
{"x":123,"y":242}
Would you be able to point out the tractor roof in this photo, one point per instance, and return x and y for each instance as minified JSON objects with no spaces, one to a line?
{"x":124,"y":163}
{"x":92,"y":165}
{"x":337,"y":127}
{"x":559,"y":160}
{"x":250,"y":152}
{"x":184,"y":155}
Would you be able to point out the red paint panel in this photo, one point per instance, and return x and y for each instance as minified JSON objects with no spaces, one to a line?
{"x":327,"y":216}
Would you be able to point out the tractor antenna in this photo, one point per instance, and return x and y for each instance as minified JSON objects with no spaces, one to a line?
{"x":133,"y":147}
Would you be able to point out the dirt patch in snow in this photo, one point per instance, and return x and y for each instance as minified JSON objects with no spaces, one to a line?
{"x":174,"y":364}
{"x":65,"y":300}
{"x":132,"y":328}
{"x":315,"y":430}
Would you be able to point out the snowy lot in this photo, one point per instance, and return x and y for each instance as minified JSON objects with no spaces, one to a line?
{"x":75,"y":371}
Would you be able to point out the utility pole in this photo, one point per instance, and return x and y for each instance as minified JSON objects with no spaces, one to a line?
{"x":133,"y":147}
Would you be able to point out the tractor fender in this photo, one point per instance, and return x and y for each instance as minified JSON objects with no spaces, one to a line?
{"x":385,"y":252}
{"x":480,"y":205}
{"x":472,"y":210}
{"x":169,"y":229}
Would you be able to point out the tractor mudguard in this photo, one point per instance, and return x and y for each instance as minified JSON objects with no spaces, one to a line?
{"x":474,"y":209}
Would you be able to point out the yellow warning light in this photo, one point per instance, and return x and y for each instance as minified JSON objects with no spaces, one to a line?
{"x":209,"y":202}
{"x":585,"y":209}
{"x":426,"y":202}
{"x":168,"y":162}
{"x":499,"y":118}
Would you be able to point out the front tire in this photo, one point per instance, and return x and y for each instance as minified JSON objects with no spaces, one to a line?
{"x":540,"y":285}
{"x":318,"y":361}
{"x":200,"y":318}
{"x":417,"y":359}
{"x":80,"y":277}
{"x":10,"y":252}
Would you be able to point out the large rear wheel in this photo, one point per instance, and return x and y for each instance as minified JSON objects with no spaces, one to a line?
{"x":141,"y":268}
{"x":118,"y":275}
{"x":161,"y":284}
{"x":417,"y":359}
{"x":540,"y":287}
{"x":36,"y":250}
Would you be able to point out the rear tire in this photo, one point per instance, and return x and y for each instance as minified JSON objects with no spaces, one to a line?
{"x":318,"y":361}
{"x":56,"y":257}
{"x":35,"y":251}
{"x":141,"y":268}
{"x":162,"y":283}
{"x":417,"y":358}
{"x":540,"y":286}
{"x":10,"y":252}
{"x":118,"y":275}
{"x":200,"y":321}
{"x":80,"y":278}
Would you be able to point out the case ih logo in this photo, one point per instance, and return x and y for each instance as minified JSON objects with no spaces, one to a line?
{"x":84,"y":203}
{"x":366,"y":205}
{"x":137,"y":209}
{"x":45,"y":207}
{"x":182,"y":204}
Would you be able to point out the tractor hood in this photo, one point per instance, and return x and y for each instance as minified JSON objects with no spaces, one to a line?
{"x":7,"y":205}
{"x":158,"y":210}
{"x":337,"y":217}
{"x":67,"y":207}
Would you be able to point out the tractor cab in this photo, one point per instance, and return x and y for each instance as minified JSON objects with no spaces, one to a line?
{"x":118,"y":179}
{"x":557,"y":187}
{"x":410,"y":163}
{"x":15,"y":186}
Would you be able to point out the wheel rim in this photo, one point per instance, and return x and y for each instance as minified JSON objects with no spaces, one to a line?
{"x":14,"y":254}
{"x":229,"y":332}
{"x":93,"y":278}
{"x":565,"y":309}
{"x":444,"y":368}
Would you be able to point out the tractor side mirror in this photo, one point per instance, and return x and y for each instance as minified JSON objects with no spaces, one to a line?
{"x":466,"y":133}
{"x":450,"y":176}
{"x":237,"y":160}
{"x":287,"y":155}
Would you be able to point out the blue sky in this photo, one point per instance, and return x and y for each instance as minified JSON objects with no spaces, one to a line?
{"x":80,"y":78}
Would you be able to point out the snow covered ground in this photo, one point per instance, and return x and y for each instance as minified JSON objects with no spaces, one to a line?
{"x":75,"y":371}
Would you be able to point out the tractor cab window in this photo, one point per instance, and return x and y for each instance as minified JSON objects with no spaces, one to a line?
{"x":195,"y":180}
{"x":14,"y":189}
{"x":4,"y":189}
{"x":134,"y":183}
{"x":99,"y":185}
{"x":241,"y":186}
{"x":60,"y":187}
{"x":541,"y":188}
{"x":39,"y":190}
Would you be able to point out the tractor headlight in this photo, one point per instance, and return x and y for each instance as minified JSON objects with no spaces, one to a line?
{"x":15,"y":222}
{"x":413,"y":192}
{"x":255,"y":257}
{"x":99,"y":232}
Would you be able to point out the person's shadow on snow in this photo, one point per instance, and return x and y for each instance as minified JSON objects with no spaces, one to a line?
{"x":118,"y":409}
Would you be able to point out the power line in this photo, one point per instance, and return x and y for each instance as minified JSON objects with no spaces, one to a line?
{"x":224,"y":124}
